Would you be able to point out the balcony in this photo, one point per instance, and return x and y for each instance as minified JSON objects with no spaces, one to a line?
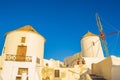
{"x":10,"y":57}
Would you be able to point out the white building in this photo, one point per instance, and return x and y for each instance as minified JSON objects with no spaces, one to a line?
{"x":94,"y":58}
{"x":91,"y":51}
{"x":91,"y":46}
{"x":23,"y":59}
{"x":22,"y":54}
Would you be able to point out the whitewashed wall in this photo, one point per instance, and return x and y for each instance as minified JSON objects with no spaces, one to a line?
{"x":91,"y":47}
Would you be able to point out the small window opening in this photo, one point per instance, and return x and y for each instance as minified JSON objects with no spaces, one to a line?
{"x":57,"y":73}
{"x":93,"y":43}
{"x":23,"y":40}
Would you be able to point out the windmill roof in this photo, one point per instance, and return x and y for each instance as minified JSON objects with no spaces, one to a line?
{"x":26,"y":28}
{"x":89,"y":34}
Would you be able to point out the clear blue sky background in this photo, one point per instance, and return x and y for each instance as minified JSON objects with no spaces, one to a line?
{"x":62,"y":22}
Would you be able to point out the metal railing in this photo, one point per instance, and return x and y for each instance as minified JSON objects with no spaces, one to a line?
{"x":10,"y":57}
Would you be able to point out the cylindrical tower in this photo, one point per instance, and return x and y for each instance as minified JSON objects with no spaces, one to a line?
{"x":23,"y":42}
{"x":91,"y":46}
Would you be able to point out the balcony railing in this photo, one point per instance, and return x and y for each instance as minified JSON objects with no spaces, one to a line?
{"x":10,"y":57}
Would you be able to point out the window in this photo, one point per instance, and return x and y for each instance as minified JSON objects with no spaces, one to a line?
{"x":0,"y":68}
{"x":38,"y":61}
{"x":57,"y":73}
{"x":60,"y":65}
{"x":18,"y":78}
{"x":21,"y":70}
{"x":21,"y":53}
{"x":93,"y":43}
{"x":23,"y":40}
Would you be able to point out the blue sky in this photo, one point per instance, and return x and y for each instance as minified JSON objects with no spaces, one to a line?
{"x":62,"y":22}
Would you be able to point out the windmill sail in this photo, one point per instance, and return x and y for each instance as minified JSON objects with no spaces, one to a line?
{"x":99,"y":23}
{"x":104,"y":44}
{"x":102,"y":35}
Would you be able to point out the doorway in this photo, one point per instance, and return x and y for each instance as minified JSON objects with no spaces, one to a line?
{"x":21,"y":53}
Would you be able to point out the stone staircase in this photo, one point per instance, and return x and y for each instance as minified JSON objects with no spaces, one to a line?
{"x":96,"y":77}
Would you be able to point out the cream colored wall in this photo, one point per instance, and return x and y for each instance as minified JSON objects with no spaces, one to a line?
{"x":103,"y":68}
{"x":1,"y":63}
{"x":52,"y":63}
{"x":90,"y":60}
{"x":67,"y":73}
{"x":10,"y":69}
{"x":34,"y":43}
{"x":115,"y":68}
{"x":115,"y":72}
{"x":88,"y":50}
{"x":115,"y":60}
{"x":72,"y":60}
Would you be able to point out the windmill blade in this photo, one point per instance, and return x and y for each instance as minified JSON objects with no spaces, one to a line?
{"x":99,"y":23}
{"x":104,"y":44}
{"x":102,"y":35}
{"x":112,"y":33}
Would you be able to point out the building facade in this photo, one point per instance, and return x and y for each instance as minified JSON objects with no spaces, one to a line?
{"x":23,"y":59}
{"x":22,"y":54}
